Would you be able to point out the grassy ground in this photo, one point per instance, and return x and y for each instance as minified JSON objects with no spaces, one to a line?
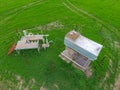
{"x":94,"y":19}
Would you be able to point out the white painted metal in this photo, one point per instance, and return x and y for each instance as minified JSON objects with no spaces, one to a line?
{"x":84,"y":46}
{"x":30,"y":41}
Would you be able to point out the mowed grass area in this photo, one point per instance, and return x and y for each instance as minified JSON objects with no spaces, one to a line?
{"x":93,"y":19}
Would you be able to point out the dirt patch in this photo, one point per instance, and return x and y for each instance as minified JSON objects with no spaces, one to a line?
{"x":2,"y":86}
{"x":117,"y":79}
{"x":42,"y":88}
{"x":110,"y":65}
{"x":16,"y":82}
{"x":88,"y":72}
{"x":49,"y":26}
{"x":117,"y":83}
{"x":106,"y":77}
{"x":107,"y":73}
{"x":56,"y":86}
{"x":117,"y":44}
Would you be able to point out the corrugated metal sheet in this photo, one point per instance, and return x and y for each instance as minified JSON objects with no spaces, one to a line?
{"x":70,"y":44}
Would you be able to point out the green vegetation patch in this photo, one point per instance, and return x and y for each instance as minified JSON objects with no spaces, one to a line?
{"x":57,"y":17}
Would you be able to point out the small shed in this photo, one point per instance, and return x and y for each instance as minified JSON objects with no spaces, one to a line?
{"x":80,"y":50}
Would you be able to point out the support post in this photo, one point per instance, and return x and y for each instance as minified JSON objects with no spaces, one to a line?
{"x":18,"y":51}
{"x":38,"y":48}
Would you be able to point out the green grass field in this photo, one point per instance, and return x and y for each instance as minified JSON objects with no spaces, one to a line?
{"x":97,"y":20}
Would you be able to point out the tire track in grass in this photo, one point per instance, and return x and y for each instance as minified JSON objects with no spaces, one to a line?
{"x":24,"y":7}
{"x":8,"y":34}
{"x":6,"y":38}
{"x":17,"y":10}
{"x":33,"y":26}
{"x":77,"y":10}
{"x":14,"y":13}
{"x":106,"y":25}
{"x":71,"y":9}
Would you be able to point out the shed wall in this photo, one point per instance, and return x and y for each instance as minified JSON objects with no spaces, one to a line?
{"x":80,"y":50}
